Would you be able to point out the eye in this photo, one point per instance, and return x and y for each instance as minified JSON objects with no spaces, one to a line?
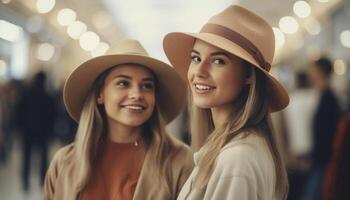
{"x":123,"y":84}
{"x":195,"y":58}
{"x":148,"y":86}
{"x":219,"y":61}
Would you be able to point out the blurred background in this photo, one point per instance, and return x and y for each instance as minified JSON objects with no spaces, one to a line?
{"x":42,"y":41}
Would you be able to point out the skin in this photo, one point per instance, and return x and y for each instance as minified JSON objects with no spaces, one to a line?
{"x":216,"y":79}
{"x":128,"y":96}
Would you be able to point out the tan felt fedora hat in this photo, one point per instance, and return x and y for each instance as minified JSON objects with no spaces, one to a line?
{"x":239,"y":32}
{"x":171,"y":88}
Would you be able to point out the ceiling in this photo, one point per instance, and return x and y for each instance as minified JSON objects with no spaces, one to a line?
{"x":149,"y":20}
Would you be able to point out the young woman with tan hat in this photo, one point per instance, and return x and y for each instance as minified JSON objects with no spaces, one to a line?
{"x":227,"y":68}
{"x":122,"y":102}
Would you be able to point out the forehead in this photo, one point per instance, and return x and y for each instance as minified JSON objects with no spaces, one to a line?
{"x":202,"y":46}
{"x":131,"y":70}
{"x":207,"y":49}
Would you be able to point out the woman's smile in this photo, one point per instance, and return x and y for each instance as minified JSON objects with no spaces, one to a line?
{"x":134,"y":108}
{"x":202,"y":88}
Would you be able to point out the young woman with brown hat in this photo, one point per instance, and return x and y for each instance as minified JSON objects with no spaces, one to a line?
{"x":122,"y":102}
{"x":227,"y":68}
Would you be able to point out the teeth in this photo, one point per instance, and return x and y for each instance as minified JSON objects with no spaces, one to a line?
{"x":203,"y":87}
{"x":134,"y":107}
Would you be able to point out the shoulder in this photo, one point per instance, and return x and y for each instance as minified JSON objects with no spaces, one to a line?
{"x":180,"y":154}
{"x":244,"y":157}
{"x":57,"y":172}
{"x":244,"y":146}
{"x":63,"y":155}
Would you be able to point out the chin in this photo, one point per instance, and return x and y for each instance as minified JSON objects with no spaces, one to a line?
{"x":203,"y":103}
{"x":134,"y":123}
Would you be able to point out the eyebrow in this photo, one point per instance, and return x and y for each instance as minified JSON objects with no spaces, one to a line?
{"x":129,"y":77}
{"x":194,"y":51}
{"x":218,"y":53}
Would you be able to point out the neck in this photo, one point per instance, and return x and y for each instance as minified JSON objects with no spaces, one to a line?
{"x":220,"y":114}
{"x":121,"y":133}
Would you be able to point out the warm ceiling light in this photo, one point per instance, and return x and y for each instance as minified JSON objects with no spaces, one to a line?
{"x":279,"y":38}
{"x":5,"y":1}
{"x":302,"y":9}
{"x":89,"y":40}
{"x":45,"y":51}
{"x":288,"y":25}
{"x":45,"y":6}
{"x":100,"y":50}
{"x":312,"y":26}
{"x":339,"y":67}
{"x":345,"y":38}
{"x":9,"y":31}
{"x":66,"y":16}
{"x":76,"y":29}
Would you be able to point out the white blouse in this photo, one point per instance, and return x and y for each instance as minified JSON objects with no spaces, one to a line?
{"x":244,"y":170}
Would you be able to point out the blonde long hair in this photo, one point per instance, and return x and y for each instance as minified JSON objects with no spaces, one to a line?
{"x":252,"y":114}
{"x":91,"y":134}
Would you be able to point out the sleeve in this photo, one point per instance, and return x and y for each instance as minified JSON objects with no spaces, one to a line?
{"x":233,"y":177}
{"x":52,"y":175}
{"x":228,"y":188}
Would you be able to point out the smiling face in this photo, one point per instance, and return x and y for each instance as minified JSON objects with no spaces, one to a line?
{"x":128,"y":95}
{"x":216,"y":77}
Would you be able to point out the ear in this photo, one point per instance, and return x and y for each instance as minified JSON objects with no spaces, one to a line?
{"x":100,"y":99}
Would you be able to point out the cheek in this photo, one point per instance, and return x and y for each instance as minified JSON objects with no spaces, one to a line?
{"x":150,"y":98}
{"x":230,"y":86}
{"x":112,"y":98}
{"x":190,"y":74}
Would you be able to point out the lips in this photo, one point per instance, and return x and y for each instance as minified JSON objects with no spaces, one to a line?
{"x":202,"y":88}
{"x":134,"y":107}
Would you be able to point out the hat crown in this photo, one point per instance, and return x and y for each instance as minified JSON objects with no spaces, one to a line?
{"x":249,"y":25}
{"x":127,"y":46}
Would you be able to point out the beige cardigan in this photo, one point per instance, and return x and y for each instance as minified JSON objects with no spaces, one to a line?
{"x":244,"y":170}
{"x":60,"y":179}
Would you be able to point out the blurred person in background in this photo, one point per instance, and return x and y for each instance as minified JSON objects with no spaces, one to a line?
{"x":298,"y":119}
{"x":122,"y":102}
{"x":337,"y":178}
{"x":324,"y":124}
{"x":2,"y":125}
{"x":8,"y":103}
{"x":36,"y":114}
{"x":64,"y":127}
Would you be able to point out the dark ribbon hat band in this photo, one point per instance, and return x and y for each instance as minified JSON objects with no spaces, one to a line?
{"x":239,"y":40}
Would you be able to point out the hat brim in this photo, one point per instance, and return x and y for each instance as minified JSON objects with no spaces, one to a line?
{"x":171,"y":88}
{"x":178,"y":47}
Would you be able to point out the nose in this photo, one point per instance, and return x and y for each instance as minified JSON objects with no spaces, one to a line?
{"x":135,"y":93}
{"x":201,"y":70}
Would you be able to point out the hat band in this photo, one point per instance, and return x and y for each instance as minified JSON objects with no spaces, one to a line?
{"x":239,"y":40}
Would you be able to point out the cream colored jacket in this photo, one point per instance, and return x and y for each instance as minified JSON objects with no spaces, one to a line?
{"x":244,"y":170}
{"x":60,"y":177}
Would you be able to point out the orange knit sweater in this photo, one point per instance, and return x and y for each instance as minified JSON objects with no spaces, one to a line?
{"x":116,"y":173}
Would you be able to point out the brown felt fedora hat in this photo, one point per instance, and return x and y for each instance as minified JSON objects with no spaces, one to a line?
{"x":171,"y":88}
{"x":239,"y":32}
